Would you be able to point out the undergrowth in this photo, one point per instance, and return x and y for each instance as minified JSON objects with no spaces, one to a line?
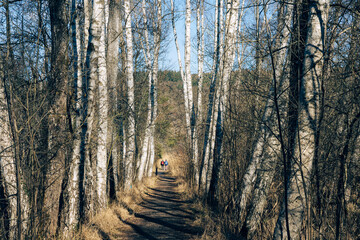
{"x":110,"y":223}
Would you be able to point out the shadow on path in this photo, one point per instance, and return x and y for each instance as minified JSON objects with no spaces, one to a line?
{"x":162,"y":214}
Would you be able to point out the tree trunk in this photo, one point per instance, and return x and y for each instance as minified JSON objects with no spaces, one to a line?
{"x":145,"y":153}
{"x":130,"y":149}
{"x":8,"y":165}
{"x":112,"y":71}
{"x":190,"y":115}
{"x":267,"y":146}
{"x":74,"y":181}
{"x":99,"y":22}
{"x":200,"y":51}
{"x":155,"y":69}
{"x":183,"y":74}
{"x":301,"y":165}
{"x":232,"y":15}
{"x":87,"y":174}
{"x":209,"y":135}
{"x":187,"y":66}
{"x":58,"y":93}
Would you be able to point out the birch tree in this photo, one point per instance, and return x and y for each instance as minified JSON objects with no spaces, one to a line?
{"x":99,"y":24}
{"x":146,"y":149}
{"x":187,"y":67}
{"x":157,"y":44}
{"x":228,"y":58}
{"x":130,"y":148}
{"x":200,"y":52}
{"x":74,"y":181}
{"x":112,"y":71}
{"x":190,"y":115}
{"x":183,"y":76}
{"x":209,"y":135}
{"x":301,"y":165}
{"x":189,"y":91}
{"x":89,"y":78}
{"x":267,"y":147}
{"x":8,"y":165}
{"x":58,"y":90}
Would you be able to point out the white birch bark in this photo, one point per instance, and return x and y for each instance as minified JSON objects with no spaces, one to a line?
{"x":209,"y":154}
{"x":221,"y":39}
{"x":152,"y":153}
{"x":25,"y":208}
{"x":74,"y":180}
{"x":101,"y":166}
{"x":87,"y":19}
{"x":232,"y":16}
{"x":176,"y":42}
{"x":88,"y":99}
{"x":74,"y":188}
{"x":209,"y":139}
{"x":200,"y":51}
{"x":240,"y":55}
{"x":219,"y":62}
{"x":301,"y":168}
{"x":113,"y":33}
{"x":267,"y":146}
{"x":146,"y":143}
{"x":183,"y":74}
{"x":130,"y":149}
{"x":187,"y":58}
{"x":145,"y":153}
{"x":229,"y":50}
{"x":7,"y":161}
{"x":124,"y":148}
{"x":106,"y":15}
{"x":190,"y":117}
{"x":155,"y":68}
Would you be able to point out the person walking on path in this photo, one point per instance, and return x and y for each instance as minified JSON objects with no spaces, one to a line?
{"x":162,"y":164}
{"x":166,"y":164}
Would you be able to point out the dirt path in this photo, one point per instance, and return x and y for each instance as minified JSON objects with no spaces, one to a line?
{"x":162,"y":214}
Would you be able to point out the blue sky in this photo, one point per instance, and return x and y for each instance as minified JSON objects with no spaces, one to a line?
{"x":169,"y":59}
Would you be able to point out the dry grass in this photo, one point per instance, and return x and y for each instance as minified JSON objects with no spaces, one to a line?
{"x":212,"y":225}
{"x":106,"y":224}
{"x":109,"y":223}
{"x":177,"y":163}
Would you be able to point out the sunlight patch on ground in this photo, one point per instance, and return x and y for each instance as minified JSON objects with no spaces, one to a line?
{"x":177,"y":162}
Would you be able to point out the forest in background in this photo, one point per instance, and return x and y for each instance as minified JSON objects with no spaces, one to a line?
{"x":269,"y":123}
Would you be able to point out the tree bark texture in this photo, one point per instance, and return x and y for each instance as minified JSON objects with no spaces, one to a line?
{"x":309,"y":102}
{"x":130,"y":149}
{"x":209,"y":135}
{"x":8,"y":165}
{"x":267,"y":146}
{"x":228,"y":58}
{"x":146,"y":148}
{"x":99,"y":24}
{"x":113,"y":42}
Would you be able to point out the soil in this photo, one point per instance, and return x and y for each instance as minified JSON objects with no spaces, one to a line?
{"x":162,"y":214}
